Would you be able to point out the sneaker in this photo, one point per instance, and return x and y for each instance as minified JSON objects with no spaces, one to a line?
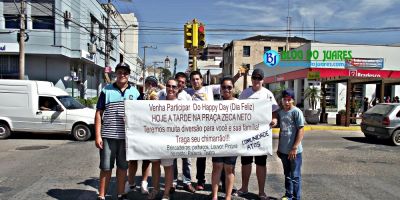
{"x":235,"y":193}
{"x":153,"y":195}
{"x":143,"y":187}
{"x":172,"y":190}
{"x":190,"y":188}
{"x":200,"y":186}
{"x":132,"y":187}
{"x":101,"y":198}
{"x":285,"y":198}
{"x":122,"y":197}
{"x":129,"y":188}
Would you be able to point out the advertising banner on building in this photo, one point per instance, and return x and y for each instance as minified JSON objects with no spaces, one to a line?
{"x":176,"y":129}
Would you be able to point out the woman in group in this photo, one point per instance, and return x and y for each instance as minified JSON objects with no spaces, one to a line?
{"x":224,"y":163}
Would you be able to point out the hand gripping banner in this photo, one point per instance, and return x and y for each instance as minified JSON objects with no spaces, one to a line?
{"x":181,"y":129}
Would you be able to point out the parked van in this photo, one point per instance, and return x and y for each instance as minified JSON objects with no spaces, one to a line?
{"x":39,"y":106}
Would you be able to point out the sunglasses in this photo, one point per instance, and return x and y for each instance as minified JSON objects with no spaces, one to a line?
{"x":226,"y":87}
{"x":122,"y":73}
{"x":171,"y":86}
{"x":257,"y":78}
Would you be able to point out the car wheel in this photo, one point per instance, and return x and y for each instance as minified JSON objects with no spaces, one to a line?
{"x":5,"y":131}
{"x":396,"y":138}
{"x":81,"y":132}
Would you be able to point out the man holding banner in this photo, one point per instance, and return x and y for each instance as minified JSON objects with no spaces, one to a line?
{"x":257,"y":91}
{"x":110,"y":130}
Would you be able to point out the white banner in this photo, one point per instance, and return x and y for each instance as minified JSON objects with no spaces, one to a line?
{"x":181,"y":129}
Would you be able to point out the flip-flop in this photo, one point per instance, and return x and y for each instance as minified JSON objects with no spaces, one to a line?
{"x":240,"y":192}
{"x":263,"y":197}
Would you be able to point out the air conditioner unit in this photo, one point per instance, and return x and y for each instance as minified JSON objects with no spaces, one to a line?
{"x":92,"y":48}
{"x":67,"y":16}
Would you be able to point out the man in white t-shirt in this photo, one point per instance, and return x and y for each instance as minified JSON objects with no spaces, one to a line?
{"x":198,"y":92}
{"x":257,"y":91}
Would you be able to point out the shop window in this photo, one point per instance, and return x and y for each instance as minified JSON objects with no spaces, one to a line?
{"x":12,"y":21}
{"x":267,"y":49}
{"x":246,"y":51}
{"x":43,"y":22}
{"x":9,"y":66}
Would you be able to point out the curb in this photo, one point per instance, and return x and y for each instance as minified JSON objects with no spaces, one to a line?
{"x":324,"y":128}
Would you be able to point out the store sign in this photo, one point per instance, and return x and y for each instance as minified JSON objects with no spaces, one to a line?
{"x":365,"y":63}
{"x":356,"y":73}
{"x":87,"y":56}
{"x":313,"y":75}
{"x":9,"y":47}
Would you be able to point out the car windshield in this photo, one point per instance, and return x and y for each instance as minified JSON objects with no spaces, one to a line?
{"x":381,"y":109}
{"x":70,"y":102}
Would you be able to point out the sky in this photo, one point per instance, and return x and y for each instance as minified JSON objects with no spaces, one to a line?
{"x":240,"y":17}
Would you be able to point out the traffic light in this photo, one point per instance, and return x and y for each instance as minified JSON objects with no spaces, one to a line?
{"x":191,"y":36}
{"x":188,"y":37}
{"x":202,"y":36}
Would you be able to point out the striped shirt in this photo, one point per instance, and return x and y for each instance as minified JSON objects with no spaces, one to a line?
{"x":111,"y":101}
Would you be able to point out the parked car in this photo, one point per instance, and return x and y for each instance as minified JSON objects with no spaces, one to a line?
{"x":382,"y":121}
{"x":39,"y":106}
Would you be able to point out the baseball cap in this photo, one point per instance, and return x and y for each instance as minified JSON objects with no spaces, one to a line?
{"x":123,"y":66}
{"x":258,"y":72}
{"x":151,"y":79}
{"x":288,"y":93}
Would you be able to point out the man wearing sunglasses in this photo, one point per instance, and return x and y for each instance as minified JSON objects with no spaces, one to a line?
{"x":110,"y":130}
{"x":257,"y":91}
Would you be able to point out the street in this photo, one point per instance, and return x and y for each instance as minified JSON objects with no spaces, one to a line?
{"x":336,"y":165}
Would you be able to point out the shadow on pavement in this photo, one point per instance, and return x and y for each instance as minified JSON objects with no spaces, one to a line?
{"x":67,"y":194}
{"x":46,"y":136}
{"x":367,"y":140}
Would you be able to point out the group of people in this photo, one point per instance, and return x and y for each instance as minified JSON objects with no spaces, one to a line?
{"x":368,"y":104}
{"x":110,"y":137}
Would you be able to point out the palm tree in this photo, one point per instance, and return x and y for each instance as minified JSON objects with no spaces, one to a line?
{"x":312,"y":94}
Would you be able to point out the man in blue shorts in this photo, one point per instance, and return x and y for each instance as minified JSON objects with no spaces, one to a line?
{"x":110,"y":130}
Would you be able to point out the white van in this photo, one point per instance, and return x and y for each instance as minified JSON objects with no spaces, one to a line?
{"x":39,"y":106}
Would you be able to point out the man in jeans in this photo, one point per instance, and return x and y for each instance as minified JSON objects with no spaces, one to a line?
{"x":291,"y":121}
{"x":110,"y":130}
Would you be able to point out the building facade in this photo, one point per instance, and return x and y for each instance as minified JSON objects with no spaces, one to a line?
{"x":66,"y":43}
{"x":362,"y":61}
{"x":250,"y":51}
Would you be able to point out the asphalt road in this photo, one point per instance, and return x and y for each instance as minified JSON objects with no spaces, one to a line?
{"x":336,"y":165}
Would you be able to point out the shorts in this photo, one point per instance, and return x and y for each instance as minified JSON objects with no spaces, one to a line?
{"x":231,"y":160}
{"x":113,"y":150}
{"x":259,"y":160}
{"x":165,"y":162}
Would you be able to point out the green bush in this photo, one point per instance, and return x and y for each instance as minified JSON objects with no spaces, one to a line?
{"x":342,"y":112}
{"x":88,"y":102}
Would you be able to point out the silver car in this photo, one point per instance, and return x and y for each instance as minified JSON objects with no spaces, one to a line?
{"x":382,"y":121}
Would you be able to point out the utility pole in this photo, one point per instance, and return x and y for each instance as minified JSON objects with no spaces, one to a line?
{"x":288,"y":28}
{"x":22,"y":42}
{"x":108,"y":44}
{"x":144,"y":60}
